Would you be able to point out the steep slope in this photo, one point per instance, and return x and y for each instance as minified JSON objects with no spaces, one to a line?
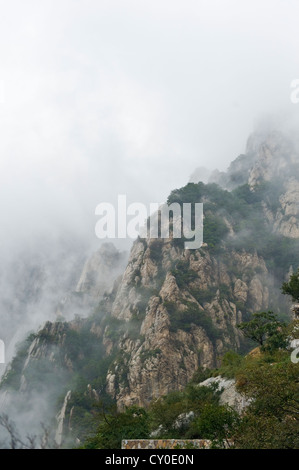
{"x":63,"y":354}
{"x":99,"y":272}
{"x":180,"y":312}
{"x":181,"y":306}
{"x":174,"y":310}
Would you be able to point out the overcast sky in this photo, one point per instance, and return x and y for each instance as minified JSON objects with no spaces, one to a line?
{"x":127,"y":97}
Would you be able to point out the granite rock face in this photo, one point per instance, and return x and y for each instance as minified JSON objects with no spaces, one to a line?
{"x":97,"y":277}
{"x":229,"y":394}
{"x":219,"y":289}
{"x":101,"y":269}
{"x":165,"y":353}
{"x":276,"y":162}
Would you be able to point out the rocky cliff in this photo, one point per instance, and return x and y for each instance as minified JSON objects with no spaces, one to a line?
{"x":174,"y":310}
{"x":182,"y":307}
{"x":180,"y":311}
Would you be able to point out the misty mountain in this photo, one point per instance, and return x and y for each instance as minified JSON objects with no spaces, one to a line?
{"x":172,"y":310}
{"x":33,"y":280}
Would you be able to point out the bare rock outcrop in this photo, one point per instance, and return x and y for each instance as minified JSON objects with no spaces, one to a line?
{"x":229,"y":394}
{"x":177,"y":320}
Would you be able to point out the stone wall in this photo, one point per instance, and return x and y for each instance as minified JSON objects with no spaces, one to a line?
{"x":165,"y":444}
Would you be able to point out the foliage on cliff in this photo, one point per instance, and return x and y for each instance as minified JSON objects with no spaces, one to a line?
{"x":266,"y":377}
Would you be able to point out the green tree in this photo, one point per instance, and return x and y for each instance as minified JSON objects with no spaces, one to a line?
{"x":216,"y":423}
{"x":272,"y":417}
{"x":292,"y":287}
{"x":165,"y":411}
{"x":264,"y":326}
{"x":133,"y":423}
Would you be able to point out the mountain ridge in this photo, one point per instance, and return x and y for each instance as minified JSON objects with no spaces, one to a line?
{"x":173,"y":311}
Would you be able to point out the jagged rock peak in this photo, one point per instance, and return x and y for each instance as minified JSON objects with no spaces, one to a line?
{"x":101,"y":269}
{"x":268,"y":154}
{"x":274,"y":155}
